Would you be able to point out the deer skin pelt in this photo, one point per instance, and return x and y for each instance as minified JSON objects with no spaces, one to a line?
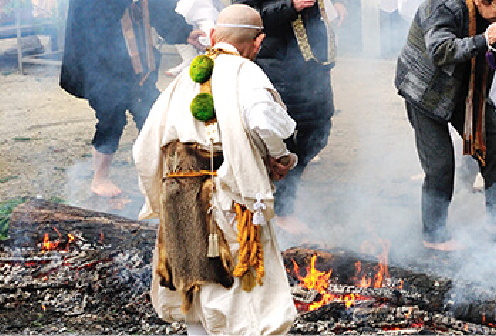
{"x":185,"y":226}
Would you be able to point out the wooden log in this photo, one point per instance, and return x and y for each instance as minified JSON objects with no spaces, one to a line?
{"x":32,"y":220}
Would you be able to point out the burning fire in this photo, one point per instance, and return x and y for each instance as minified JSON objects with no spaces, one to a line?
{"x":377,"y":281}
{"x":48,"y":245}
{"x":319,"y":280}
{"x":71,"y":238}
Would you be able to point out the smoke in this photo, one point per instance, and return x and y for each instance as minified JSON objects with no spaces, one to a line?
{"x":367,"y":186}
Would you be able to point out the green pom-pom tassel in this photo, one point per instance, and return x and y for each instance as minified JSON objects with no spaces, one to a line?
{"x":202,"y":107}
{"x":201,"y":68}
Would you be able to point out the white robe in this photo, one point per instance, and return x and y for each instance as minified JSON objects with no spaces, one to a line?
{"x":247,"y":98}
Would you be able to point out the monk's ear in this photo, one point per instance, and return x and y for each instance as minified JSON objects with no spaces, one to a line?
{"x":258,"y":41}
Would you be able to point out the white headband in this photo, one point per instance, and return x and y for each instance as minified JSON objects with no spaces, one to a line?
{"x":235,"y":25}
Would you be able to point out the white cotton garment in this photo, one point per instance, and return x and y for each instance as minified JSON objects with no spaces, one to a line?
{"x":252,"y":123}
{"x":195,"y":11}
{"x":330,"y":10}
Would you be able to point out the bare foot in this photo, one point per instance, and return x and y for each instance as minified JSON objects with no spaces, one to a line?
{"x":418,"y":177}
{"x":450,"y":245}
{"x":292,"y":225}
{"x":105,"y":188}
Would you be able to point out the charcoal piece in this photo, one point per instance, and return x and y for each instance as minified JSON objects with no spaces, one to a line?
{"x":333,"y":310}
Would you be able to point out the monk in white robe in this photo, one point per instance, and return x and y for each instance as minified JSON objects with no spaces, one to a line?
{"x":251,"y":124}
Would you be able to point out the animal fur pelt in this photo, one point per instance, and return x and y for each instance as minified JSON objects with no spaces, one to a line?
{"x":185,"y":225}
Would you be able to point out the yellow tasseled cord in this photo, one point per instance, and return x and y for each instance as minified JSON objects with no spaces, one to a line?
{"x":250,"y":249}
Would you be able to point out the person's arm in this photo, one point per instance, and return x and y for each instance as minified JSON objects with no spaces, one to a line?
{"x":268,"y":119}
{"x":340,"y":7}
{"x":169,"y":24}
{"x":443,"y":44}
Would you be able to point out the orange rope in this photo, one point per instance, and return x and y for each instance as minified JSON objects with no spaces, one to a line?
{"x":250,"y":249}
{"x":192,"y":173}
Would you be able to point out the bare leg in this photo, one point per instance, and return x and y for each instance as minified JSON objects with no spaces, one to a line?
{"x":101,"y":184}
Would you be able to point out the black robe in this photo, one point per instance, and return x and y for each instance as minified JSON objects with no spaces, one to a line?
{"x":95,"y":53}
{"x":305,"y":87}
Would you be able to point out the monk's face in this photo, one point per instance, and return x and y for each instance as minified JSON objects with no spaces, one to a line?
{"x":487,"y":9}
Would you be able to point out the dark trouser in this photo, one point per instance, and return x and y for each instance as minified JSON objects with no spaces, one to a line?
{"x":436,"y":155}
{"x":306,"y":143}
{"x":305,"y":88}
{"x":111,"y":103}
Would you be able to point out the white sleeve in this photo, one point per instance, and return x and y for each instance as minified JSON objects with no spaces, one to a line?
{"x":267,"y":118}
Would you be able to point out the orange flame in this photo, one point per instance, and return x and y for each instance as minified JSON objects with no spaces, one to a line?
{"x":43,"y":307}
{"x":71,"y":239}
{"x":363,"y":280}
{"x":318,"y":280}
{"x":47,"y":245}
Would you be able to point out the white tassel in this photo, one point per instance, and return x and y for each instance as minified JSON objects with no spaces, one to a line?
{"x":258,"y":216}
{"x":213,"y":246}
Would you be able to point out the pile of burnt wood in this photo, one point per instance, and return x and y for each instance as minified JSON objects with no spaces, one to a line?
{"x":69,"y":270}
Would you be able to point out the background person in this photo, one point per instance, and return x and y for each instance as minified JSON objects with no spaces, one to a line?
{"x":303,"y":79}
{"x":109,"y":60}
{"x":446,"y":45}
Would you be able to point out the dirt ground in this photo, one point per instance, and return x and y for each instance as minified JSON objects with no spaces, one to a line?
{"x":363,"y":194}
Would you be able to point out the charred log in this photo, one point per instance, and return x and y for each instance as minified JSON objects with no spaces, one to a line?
{"x":31,"y":221}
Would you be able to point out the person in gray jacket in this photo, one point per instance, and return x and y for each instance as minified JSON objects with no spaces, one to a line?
{"x":443,"y":75}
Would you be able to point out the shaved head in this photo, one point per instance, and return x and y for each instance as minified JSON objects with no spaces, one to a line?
{"x":235,"y":17}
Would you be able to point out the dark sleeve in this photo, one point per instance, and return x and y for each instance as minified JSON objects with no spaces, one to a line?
{"x":91,"y":24}
{"x":444,"y":43}
{"x":276,"y":14}
{"x":170,"y":25}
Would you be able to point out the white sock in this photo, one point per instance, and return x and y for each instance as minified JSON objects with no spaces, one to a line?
{"x":195,"y":328}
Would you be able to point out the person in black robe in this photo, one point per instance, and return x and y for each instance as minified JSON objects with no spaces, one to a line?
{"x":109,"y":60}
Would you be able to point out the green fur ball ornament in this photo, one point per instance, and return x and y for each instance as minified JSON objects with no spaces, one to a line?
{"x":202,"y":107}
{"x":201,"y":68}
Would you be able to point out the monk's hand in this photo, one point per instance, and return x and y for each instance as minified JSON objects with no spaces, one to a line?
{"x":490,"y":34}
{"x":300,"y":5}
{"x":341,"y":11}
{"x":194,"y":39}
{"x":279,"y":167}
